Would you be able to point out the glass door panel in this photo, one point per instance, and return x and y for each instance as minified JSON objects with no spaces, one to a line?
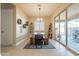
{"x":63,"y":27}
{"x":73,"y":27}
{"x":57,"y":28}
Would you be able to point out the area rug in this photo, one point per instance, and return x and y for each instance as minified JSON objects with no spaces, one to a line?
{"x":49,"y":46}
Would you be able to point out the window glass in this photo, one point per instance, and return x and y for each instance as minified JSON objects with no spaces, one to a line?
{"x":73,"y":27}
{"x":63,"y":27}
{"x":39,"y":25}
{"x":57,"y":27}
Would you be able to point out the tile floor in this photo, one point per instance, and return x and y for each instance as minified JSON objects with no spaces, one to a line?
{"x":59,"y":51}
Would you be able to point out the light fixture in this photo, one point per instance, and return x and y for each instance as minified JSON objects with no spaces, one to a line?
{"x":38,"y":19}
{"x":39,"y":9}
{"x":41,"y":19}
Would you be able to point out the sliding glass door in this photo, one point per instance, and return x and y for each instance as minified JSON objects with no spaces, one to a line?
{"x":73,"y":27}
{"x":63,"y":27}
{"x":57,"y":34}
{"x":60,"y":27}
{"x":67,"y":27}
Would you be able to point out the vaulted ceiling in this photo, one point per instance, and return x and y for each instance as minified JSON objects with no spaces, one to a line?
{"x":46,"y":9}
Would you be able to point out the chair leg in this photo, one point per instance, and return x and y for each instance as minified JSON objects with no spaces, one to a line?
{"x":36,"y":46}
{"x":41,"y":46}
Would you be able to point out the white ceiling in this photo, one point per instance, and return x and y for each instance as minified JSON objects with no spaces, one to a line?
{"x":32,"y":9}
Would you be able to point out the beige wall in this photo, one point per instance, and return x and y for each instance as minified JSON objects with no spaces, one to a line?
{"x":0,"y":27}
{"x":57,"y":11}
{"x":21,"y":32}
{"x":47,"y":21}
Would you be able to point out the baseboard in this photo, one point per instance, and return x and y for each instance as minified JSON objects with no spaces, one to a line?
{"x":22,"y":43}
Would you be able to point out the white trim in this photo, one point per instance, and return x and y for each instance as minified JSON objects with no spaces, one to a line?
{"x":20,"y":42}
